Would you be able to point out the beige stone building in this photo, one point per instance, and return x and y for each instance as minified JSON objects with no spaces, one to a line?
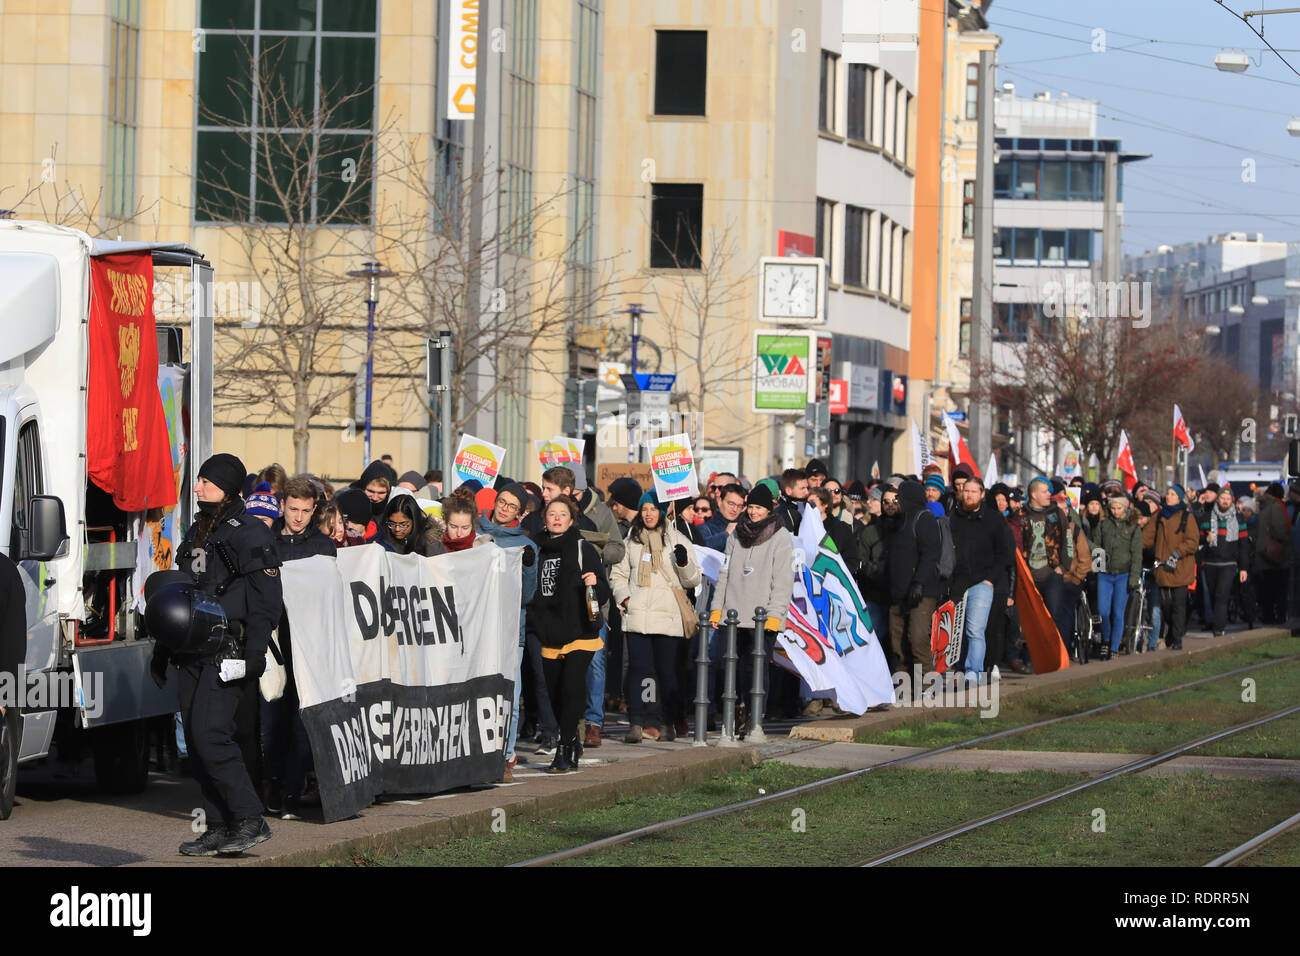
{"x":143,"y":119}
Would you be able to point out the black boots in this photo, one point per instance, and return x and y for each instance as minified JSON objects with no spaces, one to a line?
{"x":567,"y":755}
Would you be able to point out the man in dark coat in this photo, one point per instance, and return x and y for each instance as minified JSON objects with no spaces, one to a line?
{"x":913,"y":577}
{"x":983,"y":555}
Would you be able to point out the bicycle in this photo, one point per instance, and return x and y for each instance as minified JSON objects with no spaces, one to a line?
{"x":1087,"y":628}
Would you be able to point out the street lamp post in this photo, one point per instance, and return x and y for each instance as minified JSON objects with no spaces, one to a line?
{"x":635,"y":312}
{"x":372,"y":271}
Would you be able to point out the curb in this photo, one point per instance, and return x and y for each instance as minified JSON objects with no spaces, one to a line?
{"x":1075,"y":677}
{"x":535,"y":799}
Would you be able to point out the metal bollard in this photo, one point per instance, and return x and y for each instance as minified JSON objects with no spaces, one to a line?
{"x":702,"y":683}
{"x":729,"y":660}
{"x":758,"y":689}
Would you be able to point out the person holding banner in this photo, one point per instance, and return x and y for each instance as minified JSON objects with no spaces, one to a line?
{"x":756,"y":573}
{"x":503,"y":529}
{"x":649,"y":585}
{"x":565,"y":617}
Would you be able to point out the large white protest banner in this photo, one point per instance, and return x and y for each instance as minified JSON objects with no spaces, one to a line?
{"x":404,"y":667}
{"x":830,"y":639}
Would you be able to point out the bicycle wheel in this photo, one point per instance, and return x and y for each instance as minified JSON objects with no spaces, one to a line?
{"x":1083,"y":630}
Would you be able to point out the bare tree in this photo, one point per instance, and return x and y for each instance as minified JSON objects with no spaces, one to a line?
{"x":508,"y":290}
{"x":1085,"y":380}
{"x":67,"y":204}
{"x":699,"y":313}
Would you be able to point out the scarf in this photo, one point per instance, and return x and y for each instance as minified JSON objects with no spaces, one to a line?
{"x":459,"y":544}
{"x":653,"y":541}
{"x":1168,"y":511}
{"x":749,"y":534}
{"x":1229,"y":521}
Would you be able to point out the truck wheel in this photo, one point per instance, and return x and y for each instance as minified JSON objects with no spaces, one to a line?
{"x":11,"y":738}
{"x":121,"y":756}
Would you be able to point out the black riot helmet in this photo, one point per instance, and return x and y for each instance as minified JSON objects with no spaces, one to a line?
{"x":184,"y":620}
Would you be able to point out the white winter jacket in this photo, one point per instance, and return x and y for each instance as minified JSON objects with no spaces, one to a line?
{"x":654,"y":609}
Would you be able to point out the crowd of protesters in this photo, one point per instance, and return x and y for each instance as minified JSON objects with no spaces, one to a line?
{"x":613,"y":590}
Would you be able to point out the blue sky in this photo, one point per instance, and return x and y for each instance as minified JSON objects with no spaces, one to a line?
{"x":1160,"y":92}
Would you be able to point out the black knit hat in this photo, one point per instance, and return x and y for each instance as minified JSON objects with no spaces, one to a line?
{"x":626,"y":492}
{"x":354,"y":505}
{"x":856,"y":490}
{"x":225,"y":471}
{"x":761,"y":495}
{"x":815,"y":466}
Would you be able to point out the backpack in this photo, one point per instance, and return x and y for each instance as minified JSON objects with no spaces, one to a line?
{"x":947,"y":550}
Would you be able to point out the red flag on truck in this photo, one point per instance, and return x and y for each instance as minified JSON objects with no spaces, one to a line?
{"x":127,"y":450}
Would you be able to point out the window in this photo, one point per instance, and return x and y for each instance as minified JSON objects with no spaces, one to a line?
{"x":1025,"y":245}
{"x":856,"y":221}
{"x":826,"y":104}
{"x":860,"y":96}
{"x":825,"y":234}
{"x":448,"y":173}
{"x":963,"y":329}
{"x":899,"y":259}
{"x":676,"y":218}
{"x":1084,"y":181}
{"x":520,"y":123}
{"x":681,"y":68}
{"x":888,"y":113}
{"x":1026,"y":180}
{"x":883,"y":267}
{"x":902,"y":128}
{"x":968,"y":209}
{"x":286,"y":108}
{"x":1002,"y":180}
{"x":972,"y":91}
{"x":1079,"y":245}
{"x":584,"y":146}
{"x":1053,"y":245}
{"x":27,"y":481}
{"x":124,"y":56}
{"x":1053,"y":183}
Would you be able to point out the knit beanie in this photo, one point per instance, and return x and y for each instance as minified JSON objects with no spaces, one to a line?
{"x":262,"y":504}
{"x":626,"y":492}
{"x":226,"y":472}
{"x":761,"y":495}
{"x":649,"y":498}
{"x":936,"y":481}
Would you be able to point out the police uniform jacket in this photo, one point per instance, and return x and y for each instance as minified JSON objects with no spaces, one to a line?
{"x":238,"y":566}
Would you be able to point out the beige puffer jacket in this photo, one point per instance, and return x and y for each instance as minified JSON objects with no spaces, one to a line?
{"x":653,"y":609}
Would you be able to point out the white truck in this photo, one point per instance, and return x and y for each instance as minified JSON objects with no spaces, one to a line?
{"x":87,"y":673}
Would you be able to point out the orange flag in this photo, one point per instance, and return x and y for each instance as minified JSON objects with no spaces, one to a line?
{"x":1045,"y":645}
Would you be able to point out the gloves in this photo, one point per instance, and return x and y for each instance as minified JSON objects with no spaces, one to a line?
{"x":913,"y":595}
{"x":772,"y":624}
{"x":255,"y":664}
{"x":158,"y":670}
{"x":1171,"y":562}
{"x":679,"y":553}
{"x":529,"y":557}
{"x":715,"y":617}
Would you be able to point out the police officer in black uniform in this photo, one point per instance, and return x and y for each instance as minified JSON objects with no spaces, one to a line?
{"x":230,"y":556}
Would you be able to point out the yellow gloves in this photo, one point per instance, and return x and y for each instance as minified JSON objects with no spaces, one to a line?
{"x":772,"y":624}
{"x":715,"y":617}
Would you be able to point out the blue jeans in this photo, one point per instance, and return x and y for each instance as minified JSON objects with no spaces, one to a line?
{"x":596,"y":684}
{"x":519,"y":680}
{"x":979,"y":601}
{"x":1112,"y":598}
{"x":1153,"y":600}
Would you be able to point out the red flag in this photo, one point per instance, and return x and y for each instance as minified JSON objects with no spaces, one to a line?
{"x":1125,"y":462}
{"x":1046,"y":648}
{"x":127,"y":450}
{"x":1181,"y":434}
{"x":958,"y":451}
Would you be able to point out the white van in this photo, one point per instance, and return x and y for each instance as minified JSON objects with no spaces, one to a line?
{"x":78,"y":554}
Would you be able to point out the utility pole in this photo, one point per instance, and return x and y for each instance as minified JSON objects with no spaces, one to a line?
{"x":980,"y":426}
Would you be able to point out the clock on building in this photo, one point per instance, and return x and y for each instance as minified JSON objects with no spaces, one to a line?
{"x":792,"y":290}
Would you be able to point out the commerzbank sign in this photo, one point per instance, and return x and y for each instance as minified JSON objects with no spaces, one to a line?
{"x":461,"y":29}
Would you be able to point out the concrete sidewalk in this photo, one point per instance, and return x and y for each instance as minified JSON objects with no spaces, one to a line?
{"x":1196,"y":645}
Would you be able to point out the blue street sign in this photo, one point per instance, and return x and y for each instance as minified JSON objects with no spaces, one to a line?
{"x":649,"y":383}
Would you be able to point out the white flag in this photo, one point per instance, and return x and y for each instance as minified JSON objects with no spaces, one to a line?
{"x":830,"y":640}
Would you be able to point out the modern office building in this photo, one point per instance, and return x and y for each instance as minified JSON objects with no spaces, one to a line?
{"x":1050,"y":210}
